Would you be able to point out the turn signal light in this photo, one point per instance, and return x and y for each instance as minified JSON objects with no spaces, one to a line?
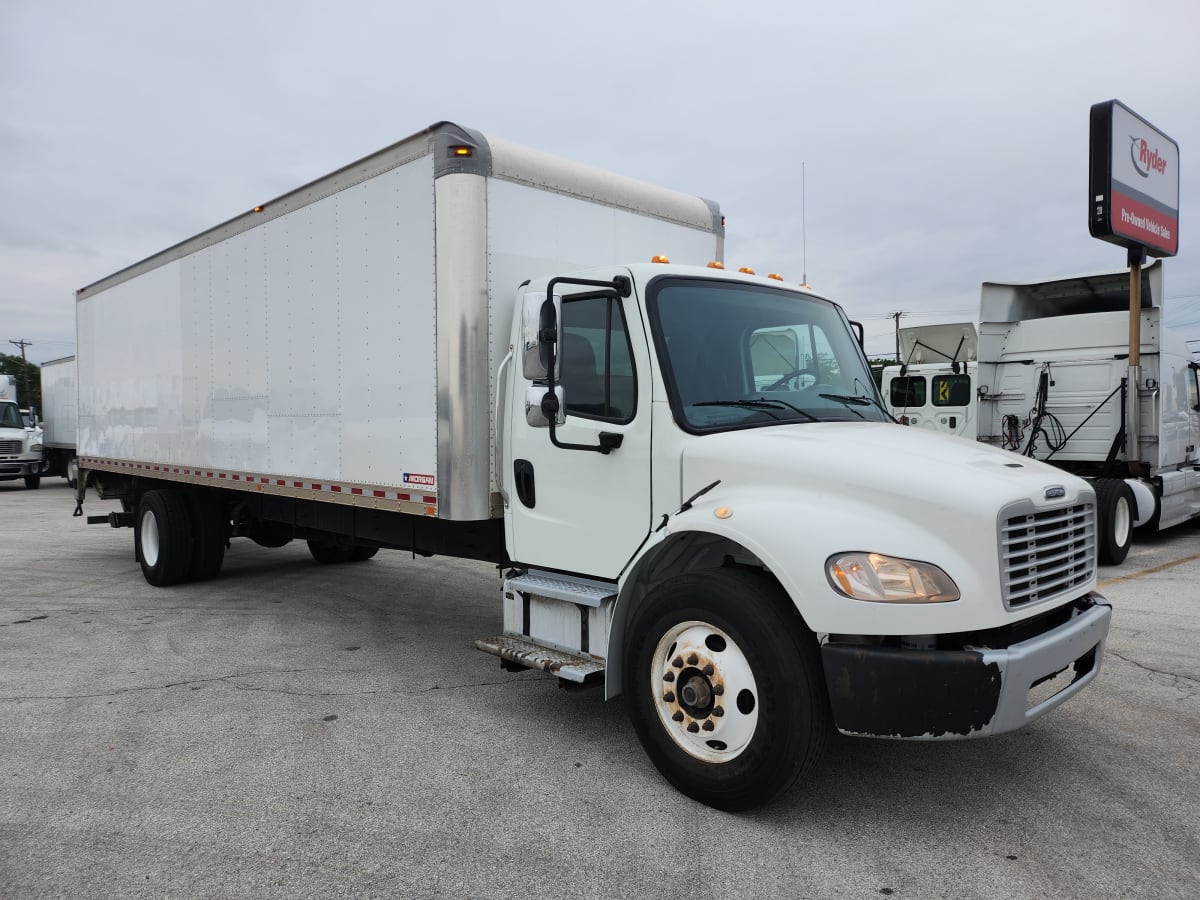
{"x":659,"y":259}
{"x":716,"y":265}
{"x":462,"y":151}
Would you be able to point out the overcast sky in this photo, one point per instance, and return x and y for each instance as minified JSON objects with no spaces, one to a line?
{"x":944,"y":144}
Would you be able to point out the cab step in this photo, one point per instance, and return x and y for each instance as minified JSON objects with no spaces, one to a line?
{"x":523,"y":652}
{"x":573,"y":590}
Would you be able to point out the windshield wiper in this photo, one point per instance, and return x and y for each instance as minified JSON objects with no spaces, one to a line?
{"x":761,"y":404}
{"x":849,"y":400}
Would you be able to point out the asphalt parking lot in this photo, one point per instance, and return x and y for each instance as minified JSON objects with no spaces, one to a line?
{"x":295,"y":730}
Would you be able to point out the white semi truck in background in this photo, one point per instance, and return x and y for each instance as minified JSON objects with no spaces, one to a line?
{"x":21,"y":438}
{"x":1046,"y":377}
{"x":59,"y":392}
{"x":685,"y":476}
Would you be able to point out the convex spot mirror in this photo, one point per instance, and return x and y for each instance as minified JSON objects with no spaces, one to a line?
{"x":537,"y":407}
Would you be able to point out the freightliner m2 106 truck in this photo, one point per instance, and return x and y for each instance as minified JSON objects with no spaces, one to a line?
{"x":685,"y":476}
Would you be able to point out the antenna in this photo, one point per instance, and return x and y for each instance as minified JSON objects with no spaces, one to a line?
{"x":803,"y":228}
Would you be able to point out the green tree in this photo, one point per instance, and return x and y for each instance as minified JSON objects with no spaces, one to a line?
{"x":29,"y":380}
{"x":877,"y":367}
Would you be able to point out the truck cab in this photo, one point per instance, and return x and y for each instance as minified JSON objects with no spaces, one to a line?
{"x":20,"y":444}
{"x":701,"y":507}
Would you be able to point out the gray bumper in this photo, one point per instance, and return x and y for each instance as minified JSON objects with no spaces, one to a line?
{"x":971,"y":692}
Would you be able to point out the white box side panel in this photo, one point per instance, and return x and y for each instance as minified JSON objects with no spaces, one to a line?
{"x":131,"y":369}
{"x":59,"y":403}
{"x":387,"y":343}
{"x":303,"y":347}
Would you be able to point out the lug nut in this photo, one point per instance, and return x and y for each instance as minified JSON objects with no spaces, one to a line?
{"x":670,"y":676}
{"x":707,"y":670}
{"x":669,"y":696}
{"x":718,"y":689}
{"x":693,"y":659}
{"x":718,"y":711}
{"x":677,"y":662}
{"x":693,"y":727}
{"x":708,"y":725}
{"x":678,"y":717}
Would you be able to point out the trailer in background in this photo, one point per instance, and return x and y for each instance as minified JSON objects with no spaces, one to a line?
{"x":1050,"y":383}
{"x":59,"y":420}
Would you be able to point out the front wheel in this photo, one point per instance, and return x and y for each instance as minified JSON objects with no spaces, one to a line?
{"x":726,"y":691}
{"x":33,"y":482}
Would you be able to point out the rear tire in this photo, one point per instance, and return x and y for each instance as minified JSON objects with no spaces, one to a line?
{"x":33,"y":482}
{"x":1114,"y":520}
{"x":163,"y":537}
{"x":209,"y":534}
{"x":330,"y":554}
{"x":726,"y":690}
{"x":72,"y":471}
{"x":362,"y":554}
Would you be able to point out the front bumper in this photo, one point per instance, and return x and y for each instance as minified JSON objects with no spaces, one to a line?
{"x":975,"y":691}
{"x":16,"y":468}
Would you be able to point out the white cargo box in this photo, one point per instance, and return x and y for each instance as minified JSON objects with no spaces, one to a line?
{"x":342,"y":341}
{"x":58,"y":403}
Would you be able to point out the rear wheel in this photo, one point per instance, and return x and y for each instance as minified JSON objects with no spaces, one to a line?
{"x":33,"y":482}
{"x":163,"y":537}
{"x":209,"y":535}
{"x":726,"y":691}
{"x":1114,"y":520}
{"x":363,"y":553}
{"x":330,"y":554}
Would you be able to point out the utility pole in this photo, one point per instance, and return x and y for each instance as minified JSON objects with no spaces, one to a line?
{"x":896,"y":316}
{"x":24,"y":367}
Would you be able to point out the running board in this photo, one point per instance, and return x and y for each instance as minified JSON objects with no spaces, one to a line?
{"x":522,"y":652}
{"x":572,"y":590}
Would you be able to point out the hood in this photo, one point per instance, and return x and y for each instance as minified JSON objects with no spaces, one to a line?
{"x":878,"y":463}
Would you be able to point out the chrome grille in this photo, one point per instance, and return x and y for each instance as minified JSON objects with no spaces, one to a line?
{"x":10,"y":446}
{"x":1044,"y":554}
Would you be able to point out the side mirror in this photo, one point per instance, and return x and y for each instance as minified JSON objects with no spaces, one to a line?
{"x":537,"y":319}
{"x":541,"y":406}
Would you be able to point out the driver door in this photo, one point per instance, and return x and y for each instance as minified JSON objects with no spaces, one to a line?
{"x":574,"y":510}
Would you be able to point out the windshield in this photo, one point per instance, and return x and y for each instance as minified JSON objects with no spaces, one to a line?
{"x":10,"y":416}
{"x":741,"y":356}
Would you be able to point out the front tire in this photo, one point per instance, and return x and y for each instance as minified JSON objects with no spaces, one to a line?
{"x":33,"y":482}
{"x":1114,"y":520}
{"x":163,"y":537}
{"x":726,"y":691}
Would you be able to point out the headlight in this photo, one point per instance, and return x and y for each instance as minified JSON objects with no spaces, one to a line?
{"x":37,"y":446}
{"x":888,"y":579}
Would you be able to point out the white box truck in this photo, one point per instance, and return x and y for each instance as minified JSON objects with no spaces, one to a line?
{"x":684,"y":475}
{"x":59,"y":392}
{"x":1046,"y":377}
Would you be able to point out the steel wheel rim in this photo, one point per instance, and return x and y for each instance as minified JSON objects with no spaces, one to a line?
{"x":1122,"y":519}
{"x":150,"y":539}
{"x":704,"y":691}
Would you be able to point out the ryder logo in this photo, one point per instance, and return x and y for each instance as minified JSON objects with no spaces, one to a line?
{"x":1144,"y":159}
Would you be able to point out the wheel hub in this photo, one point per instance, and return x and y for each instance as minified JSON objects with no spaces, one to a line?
{"x":696,"y":667}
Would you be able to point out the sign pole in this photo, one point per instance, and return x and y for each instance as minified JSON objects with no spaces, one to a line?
{"x":1133,"y":453}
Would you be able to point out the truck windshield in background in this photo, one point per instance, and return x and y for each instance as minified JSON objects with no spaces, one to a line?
{"x":10,"y":416}
{"x":744,"y":356}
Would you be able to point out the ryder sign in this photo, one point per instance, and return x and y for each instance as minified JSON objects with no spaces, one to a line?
{"x":1133,"y":181}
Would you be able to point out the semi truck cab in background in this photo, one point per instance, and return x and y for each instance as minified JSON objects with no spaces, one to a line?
{"x":684,"y":475}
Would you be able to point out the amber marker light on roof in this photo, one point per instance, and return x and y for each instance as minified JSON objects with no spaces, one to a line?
{"x":659,"y":259}
{"x":775,"y":276}
{"x":746,"y":270}
{"x":716,"y":265}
